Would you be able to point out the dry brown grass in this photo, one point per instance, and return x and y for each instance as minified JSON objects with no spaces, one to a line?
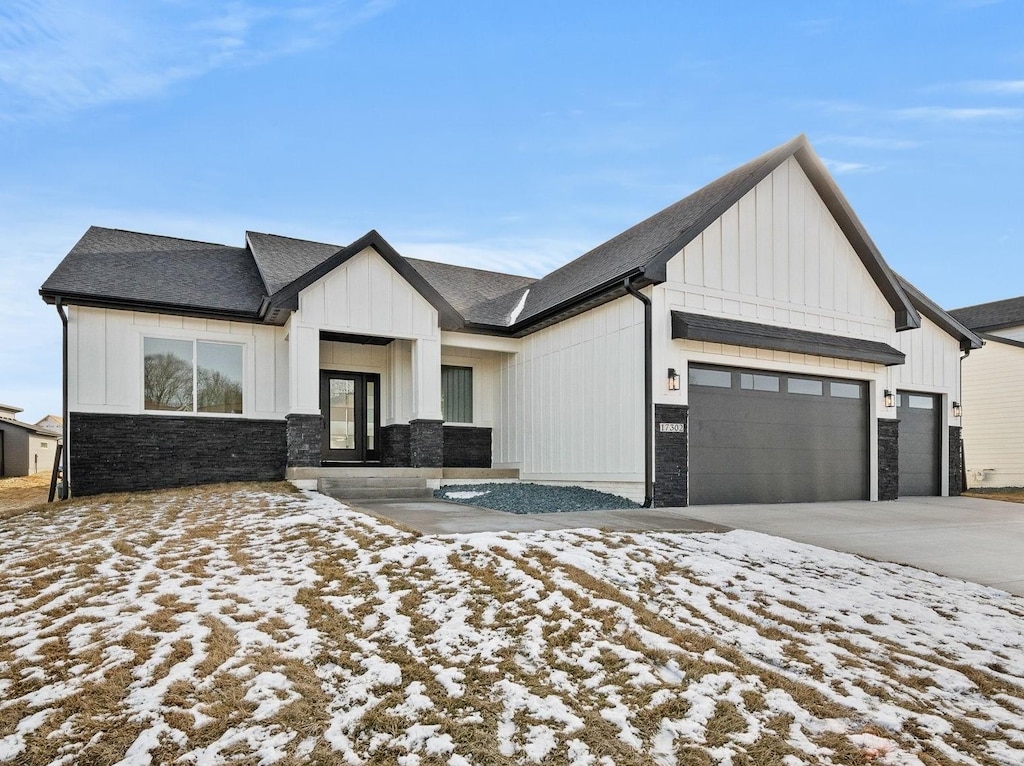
{"x":1008,"y":494}
{"x":19,"y":494}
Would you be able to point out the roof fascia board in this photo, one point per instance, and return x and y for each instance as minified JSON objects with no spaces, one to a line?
{"x":1000,"y":339}
{"x":607,"y":291}
{"x":907,"y":317}
{"x":949,"y":324}
{"x":148,"y":307}
{"x":686,"y":326}
{"x":288,"y":296}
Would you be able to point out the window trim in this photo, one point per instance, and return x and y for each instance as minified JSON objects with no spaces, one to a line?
{"x":195,"y":411}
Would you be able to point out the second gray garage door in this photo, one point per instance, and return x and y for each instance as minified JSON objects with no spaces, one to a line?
{"x":920,"y":447}
{"x":764,"y":437}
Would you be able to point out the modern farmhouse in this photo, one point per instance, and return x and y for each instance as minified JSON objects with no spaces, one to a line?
{"x":746,"y":344}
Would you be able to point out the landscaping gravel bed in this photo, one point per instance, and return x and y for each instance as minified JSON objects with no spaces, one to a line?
{"x":532,"y":498}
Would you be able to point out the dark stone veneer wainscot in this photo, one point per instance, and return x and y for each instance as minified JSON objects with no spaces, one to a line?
{"x":124,"y":453}
{"x":671,"y":450}
{"x":888,"y":459}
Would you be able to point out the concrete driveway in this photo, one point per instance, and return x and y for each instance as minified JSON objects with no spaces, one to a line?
{"x":970,"y":538}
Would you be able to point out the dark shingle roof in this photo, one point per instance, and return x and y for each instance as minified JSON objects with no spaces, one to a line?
{"x":992,"y":316}
{"x":633,"y":249}
{"x":282,"y":260}
{"x":482,"y":297}
{"x":125,"y":269}
{"x":138,"y":270}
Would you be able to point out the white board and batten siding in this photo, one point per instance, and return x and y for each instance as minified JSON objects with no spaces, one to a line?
{"x":993,"y":419}
{"x":105,"y":358}
{"x":366,"y":296}
{"x":571,"y":402}
{"x":776,"y":257}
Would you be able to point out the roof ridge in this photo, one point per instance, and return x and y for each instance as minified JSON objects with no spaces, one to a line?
{"x":161,"y":236}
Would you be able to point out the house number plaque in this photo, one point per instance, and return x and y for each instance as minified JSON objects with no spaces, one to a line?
{"x":672,"y":428}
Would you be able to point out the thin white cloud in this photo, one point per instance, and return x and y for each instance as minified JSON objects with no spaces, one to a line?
{"x":66,"y":55}
{"x":998,"y":87}
{"x":839,"y":167}
{"x":869,"y":142}
{"x":958,"y":114}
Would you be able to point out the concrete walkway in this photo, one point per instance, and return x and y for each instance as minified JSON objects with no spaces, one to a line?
{"x":439,"y":517}
{"x":969,"y":538}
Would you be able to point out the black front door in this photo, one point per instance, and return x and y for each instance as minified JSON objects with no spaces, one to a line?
{"x":350,"y":403}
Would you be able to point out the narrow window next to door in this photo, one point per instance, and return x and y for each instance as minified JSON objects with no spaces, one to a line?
{"x":457,"y":394}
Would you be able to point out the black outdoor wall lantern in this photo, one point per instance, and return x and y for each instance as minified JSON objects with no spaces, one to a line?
{"x":890,"y":398}
{"x":673,"y":379}
{"x":958,"y":410}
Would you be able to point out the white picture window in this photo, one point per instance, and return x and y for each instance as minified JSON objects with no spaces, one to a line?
{"x":192,"y":376}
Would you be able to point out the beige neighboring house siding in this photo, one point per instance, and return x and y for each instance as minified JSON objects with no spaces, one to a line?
{"x":26,"y":452}
{"x":993,"y":419}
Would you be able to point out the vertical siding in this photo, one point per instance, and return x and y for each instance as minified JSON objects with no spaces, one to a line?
{"x":933,"y":360}
{"x":105,"y":358}
{"x":580,"y":388}
{"x":778,"y":256}
{"x":993,"y":419}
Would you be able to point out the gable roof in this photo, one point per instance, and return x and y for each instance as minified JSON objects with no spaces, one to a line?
{"x":936,"y":314}
{"x":645,"y":249}
{"x":261,"y":282}
{"x":992,"y":316}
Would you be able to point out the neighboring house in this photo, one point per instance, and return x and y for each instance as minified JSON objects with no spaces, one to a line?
{"x":993,"y":404}
{"x":24,"y":449}
{"x":776,"y":331}
{"x":54,"y":423}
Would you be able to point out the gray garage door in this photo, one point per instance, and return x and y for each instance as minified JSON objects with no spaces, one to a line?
{"x":763,"y":437}
{"x":920,"y":446}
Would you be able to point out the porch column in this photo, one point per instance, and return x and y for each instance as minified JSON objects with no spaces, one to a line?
{"x":426,"y":440}
{"x":304,"y":424}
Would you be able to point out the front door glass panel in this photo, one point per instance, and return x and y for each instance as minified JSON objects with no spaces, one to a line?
{"x":343,"y":414}
{"x":350,"y":405}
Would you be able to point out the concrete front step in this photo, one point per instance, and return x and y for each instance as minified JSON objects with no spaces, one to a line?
{"x":359,"y":482}
{"x":378,"y":493}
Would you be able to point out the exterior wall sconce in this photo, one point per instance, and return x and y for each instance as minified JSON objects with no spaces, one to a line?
{"x":673,"y":379}
{"x":958,"y":410}
{"x":890,"y":398}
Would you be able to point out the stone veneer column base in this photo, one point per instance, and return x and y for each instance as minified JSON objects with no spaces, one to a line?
{"x":426,"y":444}
{"x":888,"y":459}
{"x":305,"y":440}
{"x":956,"y":463}
{"x":394,"y":445}
{"x":467,"y":447}
{"x":671,"y":486}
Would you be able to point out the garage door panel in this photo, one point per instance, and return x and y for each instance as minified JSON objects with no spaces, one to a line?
{"x":749,"y":446}
{"x":920,"y":448}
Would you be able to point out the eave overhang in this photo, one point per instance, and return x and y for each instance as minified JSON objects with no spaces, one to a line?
{"x":148,"y":307}
{"x":735,"y":332}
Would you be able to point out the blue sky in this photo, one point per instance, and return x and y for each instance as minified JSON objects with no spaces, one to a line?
{"x":507,"y":135}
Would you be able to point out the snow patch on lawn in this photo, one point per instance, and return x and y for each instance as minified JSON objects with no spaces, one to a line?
{"x":202,"y":627}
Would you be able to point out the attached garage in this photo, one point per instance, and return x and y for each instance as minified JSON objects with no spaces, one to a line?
{"x":772,"y":437}
{"x":920,"y":443}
